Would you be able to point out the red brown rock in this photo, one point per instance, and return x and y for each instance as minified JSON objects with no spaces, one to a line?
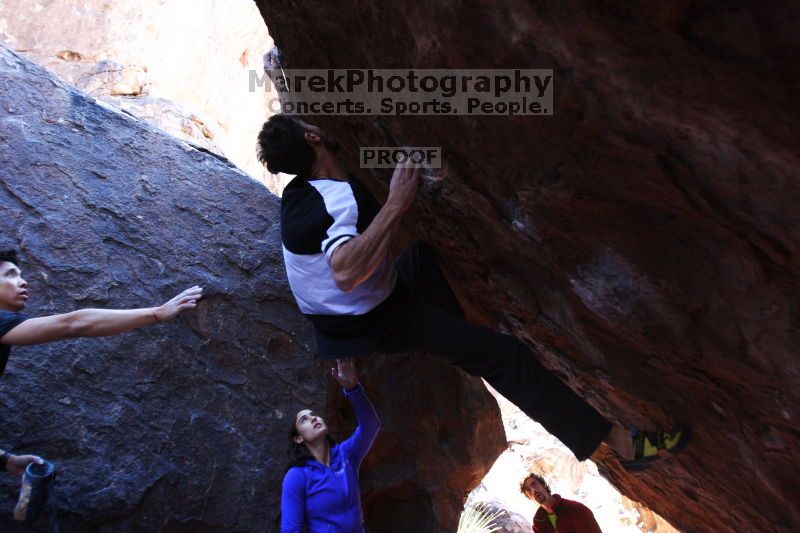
{"x":644,"y":239}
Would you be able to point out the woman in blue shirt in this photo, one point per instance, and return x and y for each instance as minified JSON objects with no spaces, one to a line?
{"x":320,"y":489}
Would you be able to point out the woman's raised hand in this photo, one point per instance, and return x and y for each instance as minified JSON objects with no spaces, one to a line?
{"x":345,"y":373}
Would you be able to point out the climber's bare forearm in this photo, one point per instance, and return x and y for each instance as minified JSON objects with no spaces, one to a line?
{"x":356,"y":260}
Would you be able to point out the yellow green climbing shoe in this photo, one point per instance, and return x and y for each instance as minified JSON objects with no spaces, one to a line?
{"x":652,"y":446}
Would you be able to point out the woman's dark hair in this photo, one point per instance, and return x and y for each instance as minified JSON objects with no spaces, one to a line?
{"x":282,"y":146}
{"x":298,"y":452}
{"x":9,"y":255}
{"x":538,"y":478}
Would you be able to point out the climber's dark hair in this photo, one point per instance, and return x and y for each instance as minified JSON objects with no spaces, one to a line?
{"x":538,"y":478}
{"x":282,"y":146}
{"x":9,"y":255}
{"x":298,"y":452}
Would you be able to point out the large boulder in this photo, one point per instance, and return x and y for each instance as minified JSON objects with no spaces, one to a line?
{"x":183,"y":426}
{"x":645,"y":238}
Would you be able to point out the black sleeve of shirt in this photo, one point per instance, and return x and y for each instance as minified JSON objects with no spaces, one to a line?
{"x":368,"y":206}
{"x":9,"y":320}
{"x":304,"y":219}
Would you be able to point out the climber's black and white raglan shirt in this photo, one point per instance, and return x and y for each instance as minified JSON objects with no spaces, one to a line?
{"x":318,"y":216}
{"x":420,"y":315}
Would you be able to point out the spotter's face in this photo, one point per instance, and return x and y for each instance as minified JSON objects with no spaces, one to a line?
{"x":13,"y":289}
{"x":536,"y":491}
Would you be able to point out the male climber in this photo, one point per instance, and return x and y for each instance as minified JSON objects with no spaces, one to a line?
{"x":336,"y":248}
{"x":15,"y":328}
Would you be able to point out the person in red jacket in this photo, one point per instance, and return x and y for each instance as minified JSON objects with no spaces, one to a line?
{"x":557,"y":514}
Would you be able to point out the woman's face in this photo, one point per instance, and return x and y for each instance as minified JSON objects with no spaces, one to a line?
{"x":310,"y":426}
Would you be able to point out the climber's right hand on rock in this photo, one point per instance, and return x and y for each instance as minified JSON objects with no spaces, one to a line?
{"x":272,"y":59}
{"x":185,"y":300}
{"x":404,"y":185}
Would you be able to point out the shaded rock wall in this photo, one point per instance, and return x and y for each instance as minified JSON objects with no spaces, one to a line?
{"x":644,"y":238}
{"x":182,"y":426}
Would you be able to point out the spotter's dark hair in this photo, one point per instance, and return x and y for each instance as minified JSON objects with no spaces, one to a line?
{"x":538,"y":478}
{"x":9,"y":255}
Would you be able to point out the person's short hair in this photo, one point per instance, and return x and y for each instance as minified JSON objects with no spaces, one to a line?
{"x":282,"y":146}
{"x":9,"y":255}
{"x":538,"y":478}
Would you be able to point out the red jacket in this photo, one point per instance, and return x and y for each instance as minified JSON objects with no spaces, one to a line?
{"x":571,"y":517}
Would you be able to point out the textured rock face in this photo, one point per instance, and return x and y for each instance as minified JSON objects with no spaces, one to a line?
{"x":182,"y":426}
{"x":181,"y":65}
{"x":644,"y":238}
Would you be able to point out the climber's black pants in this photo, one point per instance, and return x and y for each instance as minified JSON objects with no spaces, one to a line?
{"x":426,"y":317}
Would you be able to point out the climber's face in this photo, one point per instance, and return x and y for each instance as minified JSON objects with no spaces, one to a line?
{"x":310,"y":427}
{"x":536,"y":491}
{"x":13,"y":288}
{"x":316,"y":137}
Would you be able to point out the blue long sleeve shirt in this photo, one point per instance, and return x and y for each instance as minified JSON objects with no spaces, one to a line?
{"x":327,"y":499}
